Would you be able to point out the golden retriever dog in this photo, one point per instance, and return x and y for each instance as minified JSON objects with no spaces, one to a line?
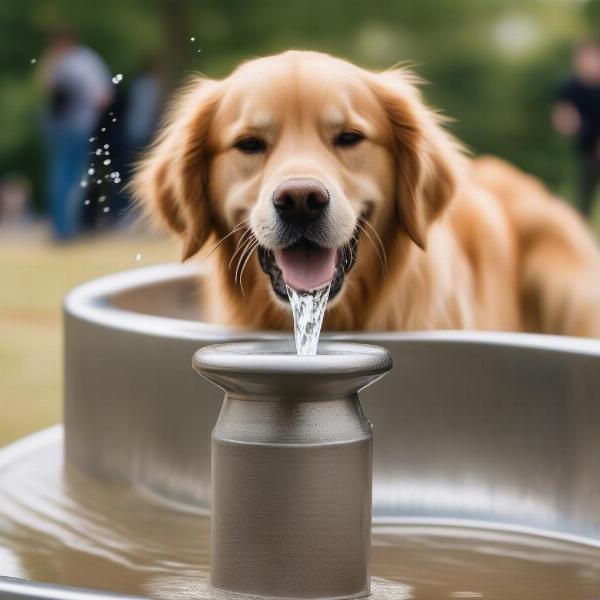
{"x":304,"y":169}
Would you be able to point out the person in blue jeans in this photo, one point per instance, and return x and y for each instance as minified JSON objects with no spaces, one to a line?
{"x":78,"y":88}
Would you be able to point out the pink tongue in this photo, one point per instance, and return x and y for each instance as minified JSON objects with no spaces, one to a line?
{"x":306,"y":268}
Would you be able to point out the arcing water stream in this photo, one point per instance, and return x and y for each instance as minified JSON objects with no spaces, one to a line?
{"x":308,"y":308}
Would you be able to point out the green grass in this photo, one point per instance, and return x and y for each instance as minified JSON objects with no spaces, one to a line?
{"x":34,"y":277}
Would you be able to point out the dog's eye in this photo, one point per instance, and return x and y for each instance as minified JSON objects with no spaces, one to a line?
{"x":251,"y":145}
{"x":349,"y":138}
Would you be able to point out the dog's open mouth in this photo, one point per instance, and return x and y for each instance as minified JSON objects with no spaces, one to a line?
{"x":307,"y":266}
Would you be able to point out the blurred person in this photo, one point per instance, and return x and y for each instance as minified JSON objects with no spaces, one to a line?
{"x":577,"y":114}
{"x":78,"y":88}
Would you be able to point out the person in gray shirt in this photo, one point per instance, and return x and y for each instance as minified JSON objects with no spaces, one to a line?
{"x":78,"y":88}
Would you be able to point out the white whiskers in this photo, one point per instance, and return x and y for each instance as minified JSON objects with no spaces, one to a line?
{"x":239,"y":226}
{"x":379,"y":247}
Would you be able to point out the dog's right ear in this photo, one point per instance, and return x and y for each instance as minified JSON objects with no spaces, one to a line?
{"x":171,"y":181}
{"x":427,"y":158}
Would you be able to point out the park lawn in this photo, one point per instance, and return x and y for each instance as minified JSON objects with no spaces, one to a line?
{"x":34,"y":277}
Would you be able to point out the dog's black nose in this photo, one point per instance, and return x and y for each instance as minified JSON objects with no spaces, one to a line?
{"x":300,"y":199}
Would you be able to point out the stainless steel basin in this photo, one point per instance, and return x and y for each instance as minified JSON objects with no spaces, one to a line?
{"x":501,"y":429}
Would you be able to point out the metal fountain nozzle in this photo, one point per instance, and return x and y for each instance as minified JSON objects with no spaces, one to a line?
{"x":292,"y":469}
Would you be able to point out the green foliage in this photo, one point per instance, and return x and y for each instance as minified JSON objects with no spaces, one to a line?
{"x":494,"y":65}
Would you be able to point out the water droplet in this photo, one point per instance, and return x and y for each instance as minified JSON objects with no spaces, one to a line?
{"x":192,"y":39}
{"x":103,"y":129}
{"x":106,"y":209}
{"x":138,"y":257}
{"x":92,"y":139}
{"x":101,"y":198}
{"x":33,"y":61}
{"x":83,"y":184}
{"x":91,"y":171}
{"x":200,"y":50}
{"x":106,"y":146}
{"x":114,"y":120}
{"x":98,"y":181}
{"x":107,"y":161}
{"x":98,"y":152}
{"x":117,"y":180}
{"x":106,"y":153}
{"x":87,"y":202}
{"x":117,"y":78}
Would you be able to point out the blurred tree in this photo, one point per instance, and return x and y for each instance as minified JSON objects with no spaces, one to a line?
{"x":493,"y":66}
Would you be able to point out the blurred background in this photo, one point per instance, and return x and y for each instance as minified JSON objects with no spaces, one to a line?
{"x":83,"y":84}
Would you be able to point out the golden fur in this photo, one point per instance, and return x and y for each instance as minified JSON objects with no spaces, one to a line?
{"x":450,"y":243}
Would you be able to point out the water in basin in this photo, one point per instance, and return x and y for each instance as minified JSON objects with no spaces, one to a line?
{"x":61,"y":526}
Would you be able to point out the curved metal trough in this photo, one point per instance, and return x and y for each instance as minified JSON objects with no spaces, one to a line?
{"x":500,"y":428}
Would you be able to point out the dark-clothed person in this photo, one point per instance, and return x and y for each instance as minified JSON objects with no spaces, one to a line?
{"x":577,"y":113}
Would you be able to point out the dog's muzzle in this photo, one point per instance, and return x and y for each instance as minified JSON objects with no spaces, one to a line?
{"x":301,"y":254}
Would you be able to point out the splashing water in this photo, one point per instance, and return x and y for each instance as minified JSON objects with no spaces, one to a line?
{"x":100,"y":173}
{"x":308,"y":309}
{"x":193,"y":39}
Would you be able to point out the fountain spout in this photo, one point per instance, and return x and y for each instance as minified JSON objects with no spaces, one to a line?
{"x":292,"y":469}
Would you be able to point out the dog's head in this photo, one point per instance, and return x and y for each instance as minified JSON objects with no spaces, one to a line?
{"x":315,"y":163}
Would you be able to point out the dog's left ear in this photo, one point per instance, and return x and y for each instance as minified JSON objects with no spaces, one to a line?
{"x":426,"y":156}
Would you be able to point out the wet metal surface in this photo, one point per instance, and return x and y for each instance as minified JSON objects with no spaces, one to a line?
{"x":64,"y":527}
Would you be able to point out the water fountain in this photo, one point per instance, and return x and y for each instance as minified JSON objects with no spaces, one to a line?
{"x":292,"y":469}
{"x":484,"y":458}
